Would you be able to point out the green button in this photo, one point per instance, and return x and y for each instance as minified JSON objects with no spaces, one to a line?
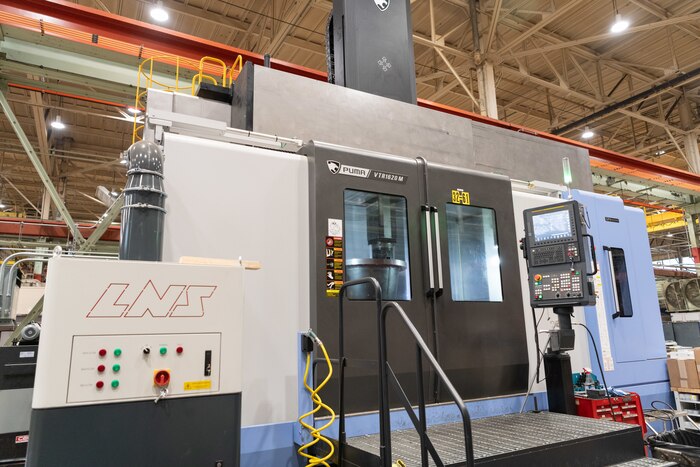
{"x":115,"y":383}
{"x":116,"y":367}
{"x":117,"y":352}
{"x":163,"y":350}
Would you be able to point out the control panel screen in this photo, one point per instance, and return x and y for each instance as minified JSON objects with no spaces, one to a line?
{"x":554,"y":225}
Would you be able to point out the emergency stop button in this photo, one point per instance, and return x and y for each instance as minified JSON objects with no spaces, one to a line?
{"x":538,"y":277}
{"x":161,"y":378}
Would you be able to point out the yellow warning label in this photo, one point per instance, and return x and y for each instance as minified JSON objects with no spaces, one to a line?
{"x":197,"y":385}
{"x":460,"y":197}
{"x":332,"y":293}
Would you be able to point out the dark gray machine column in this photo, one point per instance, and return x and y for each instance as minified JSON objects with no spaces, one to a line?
{"x":372,"y":47}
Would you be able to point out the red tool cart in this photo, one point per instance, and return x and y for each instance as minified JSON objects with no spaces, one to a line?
{"x":626,"y":409}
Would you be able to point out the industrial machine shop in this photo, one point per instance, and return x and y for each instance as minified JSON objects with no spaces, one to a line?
{"x":334,"y":273}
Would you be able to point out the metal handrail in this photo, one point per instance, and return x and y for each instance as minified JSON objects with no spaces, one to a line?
{"x":342,"y":360}
{"x":420,"y":423}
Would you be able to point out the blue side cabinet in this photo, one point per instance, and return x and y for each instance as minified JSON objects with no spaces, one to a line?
{"x":630,"y":309}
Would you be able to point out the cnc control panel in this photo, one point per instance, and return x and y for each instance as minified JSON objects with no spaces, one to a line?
{"x":558,"y":252}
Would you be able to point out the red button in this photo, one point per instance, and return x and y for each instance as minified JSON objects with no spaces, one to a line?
{"x":99,"y":384}
{"x":103,"y":352}
{"x":179,"y":350}
{"x":101,"y":368}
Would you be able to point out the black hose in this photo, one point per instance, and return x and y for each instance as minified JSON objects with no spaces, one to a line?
{"x":602,"y":371}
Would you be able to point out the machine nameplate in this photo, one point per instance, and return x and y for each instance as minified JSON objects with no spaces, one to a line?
{"x":336,"y":168}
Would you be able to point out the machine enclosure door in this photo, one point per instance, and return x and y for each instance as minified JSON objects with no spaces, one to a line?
{"x":370,"y":215}
{"x":480,"y":323}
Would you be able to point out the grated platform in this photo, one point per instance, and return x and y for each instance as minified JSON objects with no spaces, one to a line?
{"x":646,"y":462}
{"x":529,"y":439}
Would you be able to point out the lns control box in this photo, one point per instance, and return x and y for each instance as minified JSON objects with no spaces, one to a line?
{"x":560,"y":255}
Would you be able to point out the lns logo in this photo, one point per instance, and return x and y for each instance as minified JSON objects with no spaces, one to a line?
{"x":175,"y":301}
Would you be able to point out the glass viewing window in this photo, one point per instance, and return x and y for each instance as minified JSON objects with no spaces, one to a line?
{"x":376,"y":244}
{"x":475,"y":266}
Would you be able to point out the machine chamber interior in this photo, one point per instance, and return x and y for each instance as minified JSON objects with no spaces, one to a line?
{"x":376,"y":238}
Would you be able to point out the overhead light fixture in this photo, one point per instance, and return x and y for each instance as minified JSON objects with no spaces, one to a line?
{"x":123,"y":161}
{"x":114,"y":192}
{"x":669,"y":235}
{"x":133,"y":110}
{"x":620,"y":24}
{"x":58,"y":124}
{"x":2,"y":205}
{"x":587,"y":133}
{"x":158,"y":13}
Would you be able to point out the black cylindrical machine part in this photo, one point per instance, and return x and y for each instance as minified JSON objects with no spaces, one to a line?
{"x":143,"y":214}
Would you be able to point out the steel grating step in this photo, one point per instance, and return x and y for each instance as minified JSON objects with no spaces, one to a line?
{"x":646,"y":462}
{"x":529,"y":439}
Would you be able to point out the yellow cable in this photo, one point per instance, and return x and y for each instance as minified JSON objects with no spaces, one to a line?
{"x":316,"y":432}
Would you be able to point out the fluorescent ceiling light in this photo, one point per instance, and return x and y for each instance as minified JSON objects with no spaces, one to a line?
{"x":58,"y":124}
{"x":587,"y":133}
{"x":133,"y":110}
{"x":158,"y":13}
{"x":620,"y":24}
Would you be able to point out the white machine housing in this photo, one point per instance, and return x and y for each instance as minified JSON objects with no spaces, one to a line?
{"x":125,"y":321}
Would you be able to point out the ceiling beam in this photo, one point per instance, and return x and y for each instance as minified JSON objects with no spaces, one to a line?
{"x":661,"y":13}
{"x":294,"y":14}
{"x":608,"y":35}
{"x":571,"y":4}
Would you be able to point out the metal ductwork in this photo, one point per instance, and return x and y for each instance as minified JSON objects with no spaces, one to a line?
{"x":143,"y":213}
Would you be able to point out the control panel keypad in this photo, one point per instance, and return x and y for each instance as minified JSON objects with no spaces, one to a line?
{"x":558,"y":285}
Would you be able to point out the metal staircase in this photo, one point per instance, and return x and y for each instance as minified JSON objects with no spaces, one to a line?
{"x":523,"y":439}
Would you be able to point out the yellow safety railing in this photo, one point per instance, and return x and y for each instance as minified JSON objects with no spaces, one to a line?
{"x":208,"y":69}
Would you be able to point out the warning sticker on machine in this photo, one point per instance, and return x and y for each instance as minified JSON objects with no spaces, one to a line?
{"x":335,"y":228}
{"x":334,"y":265}
{"x":197,"y":385}
{"x":21,"y":439}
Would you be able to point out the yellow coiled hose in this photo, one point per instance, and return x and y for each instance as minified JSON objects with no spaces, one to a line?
{"x":316,"y":432}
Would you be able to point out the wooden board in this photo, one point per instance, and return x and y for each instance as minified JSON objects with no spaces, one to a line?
{"x":250,"y":265}
{"x":686,"y":390}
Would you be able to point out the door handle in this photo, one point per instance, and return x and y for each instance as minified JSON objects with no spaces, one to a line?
{"x":613,"y":282}
{"x":438,"y":249}
{"x":429,"y":236}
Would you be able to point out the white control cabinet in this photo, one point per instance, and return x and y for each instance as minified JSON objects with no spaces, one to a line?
{"x":117,"y":331}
